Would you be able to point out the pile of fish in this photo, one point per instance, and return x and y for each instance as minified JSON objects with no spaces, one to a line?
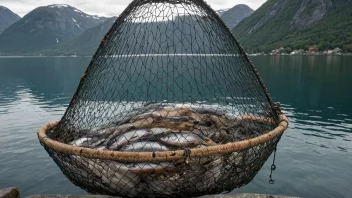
{"x":167,"y":127}
{"x":154,"y":128}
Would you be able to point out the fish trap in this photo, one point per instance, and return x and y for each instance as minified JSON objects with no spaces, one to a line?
{"x":169,"y":106}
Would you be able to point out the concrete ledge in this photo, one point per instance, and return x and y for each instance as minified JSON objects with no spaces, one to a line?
{"x":70,"y":196}
{"x":245,"y":195}
{"x":14,"y":193}
{"x":208,"y":196}
{"x":9,"y":193}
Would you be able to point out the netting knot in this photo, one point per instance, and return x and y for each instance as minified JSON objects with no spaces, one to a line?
{"x":187,"y":155}
{"x":277,"y":108}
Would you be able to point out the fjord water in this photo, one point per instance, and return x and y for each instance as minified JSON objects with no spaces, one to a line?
{"x":314,"y":156}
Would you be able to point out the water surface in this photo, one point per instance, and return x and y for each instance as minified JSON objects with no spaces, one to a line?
{"x":314,"y":157}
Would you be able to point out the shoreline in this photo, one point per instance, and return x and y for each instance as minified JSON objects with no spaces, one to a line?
{"x":44,"y":56}
{"x":250,"y":55}
{"x":327,"y":55}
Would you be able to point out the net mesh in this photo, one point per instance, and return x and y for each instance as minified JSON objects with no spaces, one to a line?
{"x":168,"y":76}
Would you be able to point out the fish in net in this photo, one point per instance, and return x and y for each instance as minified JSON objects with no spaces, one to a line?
{"x":169,"y":106}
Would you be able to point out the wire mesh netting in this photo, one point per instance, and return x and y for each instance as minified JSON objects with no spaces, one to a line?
{"x":168,"y":76}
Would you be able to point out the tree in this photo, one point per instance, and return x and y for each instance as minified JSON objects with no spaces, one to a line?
{"x":347,"y":48}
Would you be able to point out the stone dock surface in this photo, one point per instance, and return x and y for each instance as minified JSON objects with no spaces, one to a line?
{"x":14,"y":193}
{"x":9,"y":193}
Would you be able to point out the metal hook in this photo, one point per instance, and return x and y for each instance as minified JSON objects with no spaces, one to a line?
{"x":273,"y":167}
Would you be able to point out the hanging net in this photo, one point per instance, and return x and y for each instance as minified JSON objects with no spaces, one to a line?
{"x":169,"y":106}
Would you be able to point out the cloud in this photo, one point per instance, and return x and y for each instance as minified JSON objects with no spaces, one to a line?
{"x":108,"y":7}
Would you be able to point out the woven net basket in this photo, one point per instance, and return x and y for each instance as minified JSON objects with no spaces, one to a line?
{"x":169,"y":106}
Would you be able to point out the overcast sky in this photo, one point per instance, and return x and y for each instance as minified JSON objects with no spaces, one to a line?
{"x":107,"y":7}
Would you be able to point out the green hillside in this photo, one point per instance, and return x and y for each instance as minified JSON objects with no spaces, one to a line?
{"x":298,"y":24}
{"x":86,"y":44}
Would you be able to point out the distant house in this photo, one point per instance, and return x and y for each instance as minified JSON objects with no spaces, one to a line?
{"x":313,"y":49}
{"x":336,"y":50}
{"x":300,"y":51}
{"x":330,"y":51}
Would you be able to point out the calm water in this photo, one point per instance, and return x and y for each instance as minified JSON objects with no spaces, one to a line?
{"x":314,"y":157}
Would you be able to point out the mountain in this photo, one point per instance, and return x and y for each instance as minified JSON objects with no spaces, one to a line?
{"x":7,"y":18}
{"x":45,"y":27}
{"x":298,"y":24}
{"x":87,"y":43}
{"x":140,"y":38}
{"x":235,"y":15}
{"x":222,"y":11}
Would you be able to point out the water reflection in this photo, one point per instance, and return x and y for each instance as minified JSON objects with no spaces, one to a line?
{"x":317,"y":93}
{"x":50,"y":80}
{"x":314,"y":155}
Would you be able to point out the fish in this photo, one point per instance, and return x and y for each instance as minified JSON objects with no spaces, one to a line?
{"x":182,"y":139}
{"x":100,"y":148}
{"x":201,"y":174}
{"x":216,"y":135}
{"x":173,"y":112}
{"x":76,"y":172}
{"x":119,"y":130}
{"x":211,"y":176}
{"x":80,"y":142}
{"x":219,"y":121}
{"x":122,"y":140}
{"x":205,"y":109}
{"x":175,"y":119}
{"x":208,"y":120}
{"x":195,"y":116}
{"x":142,"y":123}
{"x":147,"y":146}
{"x":194,"y":131}
{"x":221,"y":136}
{"x":95,"y":142}
{"x":116,"y":177}
{"x":151,"y":168}
{"x":122,"y":172}
{"x":175,"y":125}
{"x":97,"y":131}
{"x":123,"y":128}
{"x":232,"y":117}
{"x":163,"y":184}
{"x":108,"y":176}
{"x":89,"y":142}
{"x":244,"y":130}
{"x":158,"y":131}
{"x":153,"y":114}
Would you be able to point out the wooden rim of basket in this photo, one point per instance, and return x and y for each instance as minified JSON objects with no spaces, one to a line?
{"x":165,"y":156}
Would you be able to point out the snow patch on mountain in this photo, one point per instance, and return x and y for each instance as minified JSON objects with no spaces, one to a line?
{"x":59,"y":6}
